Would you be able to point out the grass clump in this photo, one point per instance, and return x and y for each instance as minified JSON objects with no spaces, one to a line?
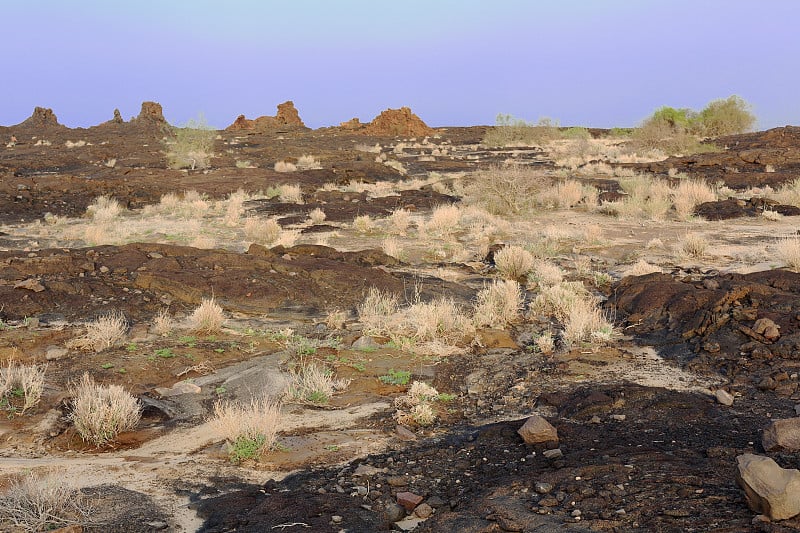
{"x":42,"y":502}
{"x":100,"y":413}
{"x":788,"y":251}
{"x":207,"y":318}
{"x":21,"y":387}
{"x":102,"y":333}
{"x":104,"y":209}
{"x":191,"y":145}
{"x":249,"y":429}
{"x":314,"y":384}
{"x":498,"y":305}
{"x":513,"y":262}
{"x":505,"y":190}
{"x":416,"y":406}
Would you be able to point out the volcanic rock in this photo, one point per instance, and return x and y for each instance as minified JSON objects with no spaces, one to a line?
{"x":42,"y":117}
{"x":287,"y":117}
{"x":352,"y":124}
{"x":538,"y":430}
{"x":117,"y":117}
{"x":409,"y":500}
{"x":769,"y":489}
{"x":782,"y":434}
{"x":151,"y":112}
{"x":397,"y":122}
{"x":724,"y":397}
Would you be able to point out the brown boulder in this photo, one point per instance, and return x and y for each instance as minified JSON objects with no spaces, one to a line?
{"x":537,"y":430}
{"x":288,"y":115}
{"x":397,"y":122}
{"x":352,"y":124}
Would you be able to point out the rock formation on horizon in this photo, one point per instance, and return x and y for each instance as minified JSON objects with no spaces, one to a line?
{"x":42,"y":117}
{"x":393,"y":122}
{"x":287,"y":117}
{"x":151,"y":113}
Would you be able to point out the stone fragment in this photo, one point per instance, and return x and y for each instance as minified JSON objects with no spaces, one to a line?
{"x":30,"y":284}
{"x":537,"y":430}
{"x":769,"y":489}
{"x":181,"y":387}
{"x":409,"y":500}
{"x":403,"y":433}
{"x":782,"y":434}
{"x":618,"y":418}
{"x":724,"y":397}
{"x":397,"y":481}
{"x":542,"y":488}
{"x":423,"y":510}
{"x":394,"y":512}
{"x":54,"y":353}
{"x":766,"y":327}
{"x":553,"y":454}
{"x":365,"y":343}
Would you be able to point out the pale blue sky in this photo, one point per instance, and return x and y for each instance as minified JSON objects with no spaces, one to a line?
{"x":595,"y":63}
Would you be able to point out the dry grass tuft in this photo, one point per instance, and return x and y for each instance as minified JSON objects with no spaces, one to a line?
{"x":498,"y":305}
{"x":399,"y":221}
{"x":262,"y":231}
{"x":418,"y":401}
{"x":546,"y":274}
{"x":693,"y":245}
{"x":291,"y":194}
{"x":317,"y":216}
{"x":285,"y":166}
{"x":207,"y":318}
{"x":505,"y":190}
{"x":690,"y":193}
{"x":104,"y":209}
{"x":788,"y":251}
{"x":513,"y":262}
{"x":101,"y":334}
{"x":254,"y":424}
{"x":444,"y":220}
{"x":314,"y":384}
{"x":641,"y":268}
{"x":364,"y":224}
{"x":308,"y":162}
{"x":392,"y":247}
{"x":163,"y":323}
{"x":42,"y":502}
{"x":25,"y":382}
{"x":100,"y":413}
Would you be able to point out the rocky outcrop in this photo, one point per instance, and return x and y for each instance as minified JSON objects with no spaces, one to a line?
{"x":397,"y":122}
{"x":42,"y":118}
{"x":151,"y":114}
{"x":769,"y":489}
{"x":286,"y":118}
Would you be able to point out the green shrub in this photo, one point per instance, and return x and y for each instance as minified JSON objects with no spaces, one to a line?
{"x":576,"y":133}
{"x":191,"y":145}
{"x":727,"y":116}
{"x":396,"y":377}
{"x":511,"y":131}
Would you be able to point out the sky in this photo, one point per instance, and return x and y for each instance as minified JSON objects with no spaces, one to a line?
{"x":594,"y":63}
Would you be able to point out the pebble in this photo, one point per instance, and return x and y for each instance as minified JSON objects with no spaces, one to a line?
{"x":618,"y":418}
{"x":423,"y":510}
{"x":548,"y":502}
{"x":436,"y":502}
{"x":542,"y":488}
{"x":595,"y":420}
{"x":336,"y":519}
{"x":397,"y":481}
{"x":724,"y":397}
{"x":553,"y":454}
{"x":394,"y":512}
{"x":576,"y":513}
{"x":409,"y":500}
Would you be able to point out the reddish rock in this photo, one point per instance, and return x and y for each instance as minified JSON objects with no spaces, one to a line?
{"x":352,"y":124}
{"x":409,"y":500}
{"x":150,"y":114}
{"x":397,"y":122}
{"x":537,"y":430}
{"x":782,"y":434}
{"x":287,"y":117}
{"x":42,"y":117}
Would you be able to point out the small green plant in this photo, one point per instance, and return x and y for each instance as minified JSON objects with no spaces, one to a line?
{"x":165,"y":353}
{"x":396,"y":377}
{"x":191,"y":146}
{"x":106,"y":366}
{"x":122,"y":370}
{"x":332,"y":448}
{"x":446,"y":397}
{"x":131,"y":347}
{"x":245,"y":447}
{"x":220,"y":390}
{"x":189,"y":340}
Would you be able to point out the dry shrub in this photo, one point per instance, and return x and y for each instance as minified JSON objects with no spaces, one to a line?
{"x":693,"y":245}
{"x":192,"y":146}
{"x":396,"y":165}
{"x":163,"y":323}
{"x":593,"y":233}
{"x":234,"y":207}
{"x":364,"y":224}
{"x":314,"y":384}
{"x":103,"y":333}
{"x":100,"y":413}
{"x":103,"y":209}
{"x":444,"y":220}
{"x":21,"y":381}
{"x":317,"y":216}
{"x":207,"y":317}
{"x":377,"y":311}
{"x":771,"y":215}
{"x":336,"y":319}
{"x":42,"y":502}
{"x":498,"y":305}
{"x":558,"y":300}
{"x":285,"y":166}
{"x":545,"y":343}
{"x":545,"y":274}
{"x":788,"y":193}
{"x":399,"y":221}
{"x":788,"y":251}
{"x":256,"y":421}
{"x":291,"y":194}
{"x":308,"y":162}
{"x":391,"y":247}
{"x":262,"y":231}
{"x":513,"y":262}
{"x":505,"y":190}
{"x":586,"y":322}
{"x":418,"y":401}
{"x":641,"y":268}
{"x":690,"y":193}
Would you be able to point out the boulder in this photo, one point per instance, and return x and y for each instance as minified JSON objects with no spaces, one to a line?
{"x":409,"y":500}
{"x":537,"y":430}
{"x":783,"y":434}
{"x":769,"y":489}
{"x":287,"y":117}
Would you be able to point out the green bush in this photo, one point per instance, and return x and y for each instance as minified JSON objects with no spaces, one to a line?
{"x":511,"y":131}
{"x":576,"y":133}
{"x":191,"y":145}
{"x":727,"y":116}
